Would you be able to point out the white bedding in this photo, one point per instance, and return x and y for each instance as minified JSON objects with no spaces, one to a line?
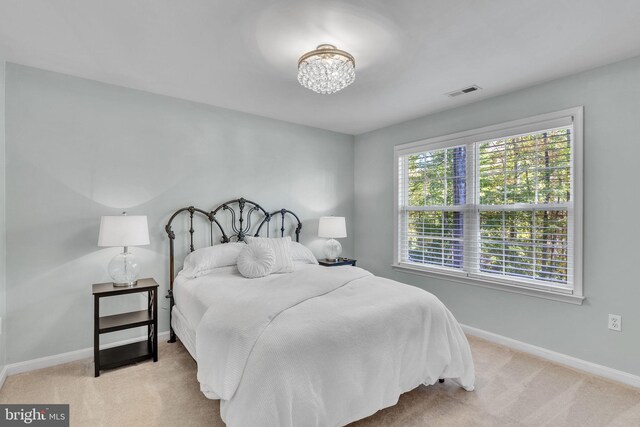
{"x":182,"y":329}
{"x":317,"y":347}
{"x":194,"y":296}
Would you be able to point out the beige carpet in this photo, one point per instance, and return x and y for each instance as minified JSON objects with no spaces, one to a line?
{"x":512,"y":389}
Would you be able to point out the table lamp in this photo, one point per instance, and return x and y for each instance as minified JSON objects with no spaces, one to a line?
{"x":124,"y":230}
{"x":333,"y":227}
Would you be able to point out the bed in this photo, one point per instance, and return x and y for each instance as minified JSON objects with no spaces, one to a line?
{"x":315,"y":347}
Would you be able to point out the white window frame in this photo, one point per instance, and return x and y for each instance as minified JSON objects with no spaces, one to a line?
{"x":575,"y":231}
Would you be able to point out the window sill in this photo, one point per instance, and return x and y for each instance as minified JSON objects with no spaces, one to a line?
{"x":523,"y":290}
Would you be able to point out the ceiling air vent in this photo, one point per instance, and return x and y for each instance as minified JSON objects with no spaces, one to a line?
{"x":463,"y":91}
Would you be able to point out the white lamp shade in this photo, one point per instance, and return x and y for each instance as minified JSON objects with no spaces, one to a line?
{"x":333,"y":227}
{"x":123,"y":230}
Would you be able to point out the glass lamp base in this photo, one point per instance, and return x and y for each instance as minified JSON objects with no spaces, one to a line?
{"x":124,"y":269}
{"x":332,"y":250}
{"x":125,"y":284}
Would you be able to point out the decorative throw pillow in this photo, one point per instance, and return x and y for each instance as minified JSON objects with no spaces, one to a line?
{"x":203,"y":261}
{"x":281,"y":247}
{"x":256,"y":260}
{"x":302,"y":254}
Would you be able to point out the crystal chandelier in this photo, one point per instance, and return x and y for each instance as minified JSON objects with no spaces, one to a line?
{"x":326,"y":69}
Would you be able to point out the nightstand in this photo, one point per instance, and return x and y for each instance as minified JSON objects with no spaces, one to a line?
{"x":340,"y":261}
{"x":128,"y":353}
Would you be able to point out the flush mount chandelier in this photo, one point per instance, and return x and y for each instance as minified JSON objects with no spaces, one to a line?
{"x":326,"y":70}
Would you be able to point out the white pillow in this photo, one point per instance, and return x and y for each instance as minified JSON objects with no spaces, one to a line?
{"x":302,"y":254}
{"x":256,"y":260}
{"x":203,"y":261}
{"x":281,"y":247}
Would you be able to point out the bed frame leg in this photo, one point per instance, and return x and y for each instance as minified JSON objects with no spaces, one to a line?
{"x":172,"y":334}
{"x":441,"y":380}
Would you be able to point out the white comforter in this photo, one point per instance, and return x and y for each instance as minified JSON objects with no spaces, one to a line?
{"x":322,"y":346}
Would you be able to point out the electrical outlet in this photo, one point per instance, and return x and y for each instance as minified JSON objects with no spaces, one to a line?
{"x":615,"y":322}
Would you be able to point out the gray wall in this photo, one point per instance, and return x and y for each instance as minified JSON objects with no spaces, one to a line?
{"x":3,"y":296}
{"x":78,"y":149}
{"x":611,"y":97}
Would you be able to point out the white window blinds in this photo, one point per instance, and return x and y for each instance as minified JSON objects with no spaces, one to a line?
{"x":496,"y":205}
{"x":434,"y":196}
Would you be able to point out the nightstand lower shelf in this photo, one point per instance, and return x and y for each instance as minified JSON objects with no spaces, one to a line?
{"x":125,"y":354}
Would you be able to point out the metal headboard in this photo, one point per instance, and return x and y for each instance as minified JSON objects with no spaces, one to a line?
{"x":243,"y":215}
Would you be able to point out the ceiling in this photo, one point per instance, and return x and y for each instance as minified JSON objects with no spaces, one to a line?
{"x":243,"y":54}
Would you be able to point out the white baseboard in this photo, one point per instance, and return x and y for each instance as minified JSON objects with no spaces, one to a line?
{"x":58,"y":359}
{"x":3,"y":375}
{"x":562,"y":359}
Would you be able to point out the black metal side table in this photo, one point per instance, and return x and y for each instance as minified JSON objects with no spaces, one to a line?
{"x":339,"y":261}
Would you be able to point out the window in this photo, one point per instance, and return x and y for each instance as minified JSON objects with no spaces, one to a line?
{"x":499,"y":205}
